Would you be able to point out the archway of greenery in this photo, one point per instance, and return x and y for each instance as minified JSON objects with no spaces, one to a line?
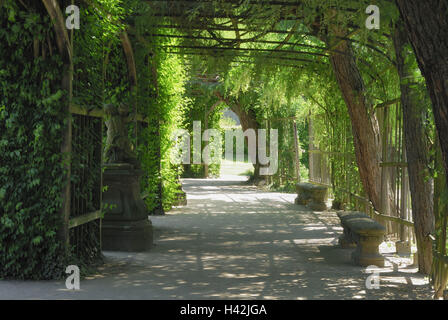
{"x":312,"y":65}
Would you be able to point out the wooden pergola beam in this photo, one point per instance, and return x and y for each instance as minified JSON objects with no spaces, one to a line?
{"x":245,"y":49}
{"x":241,"y":40}
{"x":370,"y":45}
{"x":247,"y":56}
{"x":286,"y":4}
{"x":292,"y":44}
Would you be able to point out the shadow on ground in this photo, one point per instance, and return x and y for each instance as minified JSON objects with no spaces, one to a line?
{"x":234,"y":242}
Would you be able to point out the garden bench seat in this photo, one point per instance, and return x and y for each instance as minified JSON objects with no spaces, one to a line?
{"x":311,"y":195}
{"x":365,"y":234}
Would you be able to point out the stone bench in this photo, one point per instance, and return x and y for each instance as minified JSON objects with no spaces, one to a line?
{"x":181,"y":197}
{"x":364,"y":234}
{"x":311,"y":195}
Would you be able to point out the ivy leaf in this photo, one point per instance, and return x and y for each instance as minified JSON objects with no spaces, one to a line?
{"x":12,"y":15}
{"x":37,"y":240}
{"x":6,"y":221}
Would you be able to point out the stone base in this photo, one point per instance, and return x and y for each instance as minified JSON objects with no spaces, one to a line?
{"x":403,"y":247}
{"x":298,"y":200}
{"x":367,"y":252}
{"x":317,"y":206}
{"x":312,"y":196}
{"x":368,"y":234}
{"x":132,"y":236}
{"x":126,"y":226}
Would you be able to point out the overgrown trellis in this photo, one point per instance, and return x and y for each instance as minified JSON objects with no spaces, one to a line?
{"x":206,"y":27}
{"x":392,"y":170}
{"x":267,"y":37}
{"x":96,"y":65}
{"x":335,"y":166}
{"x":86,"y":186}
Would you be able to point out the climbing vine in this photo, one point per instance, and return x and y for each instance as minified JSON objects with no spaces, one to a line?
{"x":127,"y":53}
{"x":31,"y":122}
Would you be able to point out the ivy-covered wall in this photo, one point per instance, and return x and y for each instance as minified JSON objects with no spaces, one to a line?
{"x":31,"y":122}
{"x":162,"y":99}
{"x":32,"y":119}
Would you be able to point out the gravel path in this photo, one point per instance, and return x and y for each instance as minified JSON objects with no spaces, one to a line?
{"x":234,"y":241}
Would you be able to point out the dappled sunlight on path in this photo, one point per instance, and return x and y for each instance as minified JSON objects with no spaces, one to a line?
{"x":233,"y":241}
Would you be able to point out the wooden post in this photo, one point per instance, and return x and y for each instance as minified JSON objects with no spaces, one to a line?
{"x":384,"y":170}
{"x":311,"y":148}
{"x":268,"y":129}
{"x":404,"y":198}
{"x":101,"y":187}
{"x":297,"y":151}
{"x":65,"y":50}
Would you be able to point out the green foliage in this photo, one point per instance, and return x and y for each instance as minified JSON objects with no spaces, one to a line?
{"x":298,"y":82}
{"x":161,"y":98}
{"x":172,"y":103}
{"x":31,"y":122}
{"x":204,"y":103}
{"x":100,"y":74}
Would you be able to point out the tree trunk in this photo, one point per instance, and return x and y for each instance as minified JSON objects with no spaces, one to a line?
{"x":364,"y":127}
{"x":248,"y":121}
{"x":426,"y":23}
{"x":417,"y":152}
{"x":439,"y":270}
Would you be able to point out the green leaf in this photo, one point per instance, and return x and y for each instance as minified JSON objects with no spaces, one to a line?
{"x":36,"y":240}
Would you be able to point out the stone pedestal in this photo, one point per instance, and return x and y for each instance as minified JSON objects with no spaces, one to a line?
{"x":367,"y":252}
{"x":312,"y":196}
{"x":126,"y":226}
{"x":364,"y":233}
